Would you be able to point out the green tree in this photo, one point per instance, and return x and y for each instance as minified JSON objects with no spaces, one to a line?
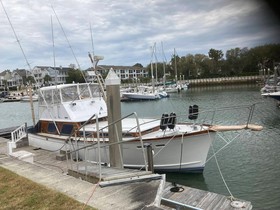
{"x":138,"y":65}
{"x":75,"y":75}
{"x":202,"y":65}
{"x":30,"y":80}
{"x":47,"y":79}
{"x":215,"y":56}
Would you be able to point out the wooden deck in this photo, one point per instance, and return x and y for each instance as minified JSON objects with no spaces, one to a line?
{"x":190,"y":198}
{"x":6,"y":132}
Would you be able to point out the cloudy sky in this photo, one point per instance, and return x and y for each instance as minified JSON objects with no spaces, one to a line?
{"x":124,"y":31}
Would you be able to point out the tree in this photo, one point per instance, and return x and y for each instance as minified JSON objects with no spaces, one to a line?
{"x":75,"y":76}
{"x":216,"y":56}
{"x":30,"y":80}
{"x":138,"y":65}
{"x":47,"y":78}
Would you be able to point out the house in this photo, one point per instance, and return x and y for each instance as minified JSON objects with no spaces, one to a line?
{"x":47,"y":75}
{"x":56,"y":75}
{"x":124,"y":72}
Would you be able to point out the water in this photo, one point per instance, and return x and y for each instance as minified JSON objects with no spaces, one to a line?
{"x":250,"y":164}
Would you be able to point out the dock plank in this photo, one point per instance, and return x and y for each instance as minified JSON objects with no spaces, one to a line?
{"x":201,"y":199}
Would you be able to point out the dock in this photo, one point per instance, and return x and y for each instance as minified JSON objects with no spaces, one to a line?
{"x":6,"y":132}
{"x":116,"y":188}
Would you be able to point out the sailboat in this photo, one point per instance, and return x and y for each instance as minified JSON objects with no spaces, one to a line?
{"x":146,"y":92}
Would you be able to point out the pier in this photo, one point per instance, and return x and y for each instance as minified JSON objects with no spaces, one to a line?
{"x":225,"y":81}
{"x":6,"y":132}
{"x":117,"y":188}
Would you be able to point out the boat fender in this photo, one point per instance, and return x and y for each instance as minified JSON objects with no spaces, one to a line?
{"x":190,"y":113}
{"x":193,"y":112}
{"x":172,"y":120}
{"x":164,"y":121}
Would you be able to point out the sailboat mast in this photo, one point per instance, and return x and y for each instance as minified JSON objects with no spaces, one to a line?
{"x":164,"y":77}
{"x":175,"y":67}
{"x":152,"y":70}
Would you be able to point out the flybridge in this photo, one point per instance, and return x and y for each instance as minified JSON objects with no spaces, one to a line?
{"x":69,"y":92}
{"x":71,"y":102}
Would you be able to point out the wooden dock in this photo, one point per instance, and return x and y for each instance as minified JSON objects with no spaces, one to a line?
{"x":191,"y":198}
{"x":6,"y":132}
{"x":138,"y":188}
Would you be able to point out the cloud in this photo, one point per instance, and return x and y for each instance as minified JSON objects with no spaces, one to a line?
{"x":124,"y":31}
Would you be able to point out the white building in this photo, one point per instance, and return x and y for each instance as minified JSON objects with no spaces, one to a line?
{"x":125,"y":72}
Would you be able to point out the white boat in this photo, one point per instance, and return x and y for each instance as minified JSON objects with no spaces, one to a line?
{"x":26,"y":98}
{"x":274,"y":95}
{"x":11,"y":98}
{"x":178,"y":147}
{"x":141,"y":93}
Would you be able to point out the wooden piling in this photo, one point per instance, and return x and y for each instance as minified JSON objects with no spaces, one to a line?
{"x":112,"y":82}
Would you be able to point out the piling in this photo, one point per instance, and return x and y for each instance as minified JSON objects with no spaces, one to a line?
{"x":113,"y":82}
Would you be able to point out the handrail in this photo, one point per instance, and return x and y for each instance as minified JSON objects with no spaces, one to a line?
{"x":109,"y":144}
{"x":19,"y":133}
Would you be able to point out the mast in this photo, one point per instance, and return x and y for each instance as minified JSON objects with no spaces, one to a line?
{"x":54,"y":64}
{"x":152,"y":70}
{"x":175,"y":67}
{"x":164,"y":59}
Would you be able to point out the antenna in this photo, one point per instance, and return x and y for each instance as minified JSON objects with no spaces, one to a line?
{"x":91,"y":39}
{"x":54,"y":64}
{"x":68,"y":42}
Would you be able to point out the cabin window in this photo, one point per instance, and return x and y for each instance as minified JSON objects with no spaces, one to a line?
{"x":51,"y":128}
{"x":66,"y":129}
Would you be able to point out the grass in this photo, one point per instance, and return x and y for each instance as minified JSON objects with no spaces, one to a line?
{"x":17,"y":192}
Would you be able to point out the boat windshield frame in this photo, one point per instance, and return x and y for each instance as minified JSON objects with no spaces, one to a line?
{"x":68,"y":93}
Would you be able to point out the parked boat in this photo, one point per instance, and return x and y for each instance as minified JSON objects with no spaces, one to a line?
{"x":274,"y":95}
{"x":26,"y":98}
{"x":10,"y":98}
{"x":141,"y":93}
{"x":272,"y":84}
{"x":79,"y":110}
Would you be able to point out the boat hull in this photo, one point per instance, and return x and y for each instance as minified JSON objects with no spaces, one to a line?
{"x":141,"y":96}
{"x":274,"y":95}
{"x":183,"y":153}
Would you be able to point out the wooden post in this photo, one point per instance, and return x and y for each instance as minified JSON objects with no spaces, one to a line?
{"x":112,"y":82}
{"x":30,"y":90}
{"x":150,"y":157}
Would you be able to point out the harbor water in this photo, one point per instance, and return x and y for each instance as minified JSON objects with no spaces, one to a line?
{"x":249,"y":164}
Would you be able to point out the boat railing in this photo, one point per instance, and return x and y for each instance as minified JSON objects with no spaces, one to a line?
{"x":73,"y":153}
{"x":222,"y":114}
{"x":17,"y":135}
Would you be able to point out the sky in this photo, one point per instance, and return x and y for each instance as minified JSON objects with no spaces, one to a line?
{"x":60,"y":33}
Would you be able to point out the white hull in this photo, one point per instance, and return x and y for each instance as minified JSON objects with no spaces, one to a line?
{"x":274,"y":95}
{"x":176,"y":155}
{"x":141,"y":96}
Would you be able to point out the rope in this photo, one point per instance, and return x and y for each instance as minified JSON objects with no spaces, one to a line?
{"x":218,"y":166}
{"x":223,"y":146}
{"x":86,"y":203}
